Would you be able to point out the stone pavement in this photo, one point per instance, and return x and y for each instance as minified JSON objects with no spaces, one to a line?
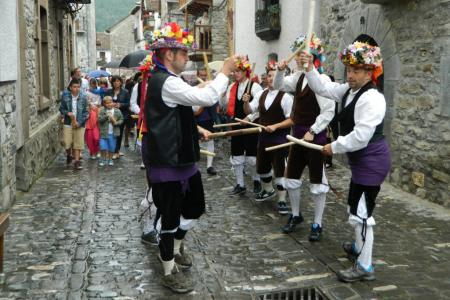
{"x":76,"y":235}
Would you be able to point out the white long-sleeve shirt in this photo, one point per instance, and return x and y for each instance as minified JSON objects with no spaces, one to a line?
{"x":134,"y":107}
{"x":369,"y":111}
{"x":286,"y":102}
{"x":289,"y":84}
{"x":241,"y":90}
{"x":177,"y":92}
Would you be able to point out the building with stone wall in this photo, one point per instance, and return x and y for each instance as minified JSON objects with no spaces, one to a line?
{"x":122,"y":39}
{"x":414,"y":37}
{"x":38,"y":43}
{"x":86,"y":38}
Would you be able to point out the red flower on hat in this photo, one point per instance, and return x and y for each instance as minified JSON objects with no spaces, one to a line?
{"x":174,"y":26}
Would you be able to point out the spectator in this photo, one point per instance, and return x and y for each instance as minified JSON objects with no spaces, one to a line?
{"x":92,"y":134}
{"x":74,"y":108}
{"x":76,"y":73}
{"x":121,"y":99}
{"x":110,"y":120}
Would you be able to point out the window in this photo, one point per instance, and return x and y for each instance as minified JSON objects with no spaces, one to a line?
{"x":42,"y":55}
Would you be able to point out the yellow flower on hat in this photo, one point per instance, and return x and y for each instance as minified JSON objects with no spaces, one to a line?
{"x":179,"y":34}
{"x":190,"y":38}
{"x":170,"y":34}
{"x":184,"y":41}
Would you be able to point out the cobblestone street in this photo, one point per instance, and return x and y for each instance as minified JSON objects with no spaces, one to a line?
{"x":77,"y":236}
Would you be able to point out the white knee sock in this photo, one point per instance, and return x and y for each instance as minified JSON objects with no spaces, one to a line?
{"x":210,"y":148}
{"x":319,"y":206}
{"x":176,"y":246}
{"x":365,"y":258}
{"x":168,"y":266}
{"x":294,"y":197}
{"x":267,"y":186}
{"x":239,"y":173}
{"x":281,"y":196}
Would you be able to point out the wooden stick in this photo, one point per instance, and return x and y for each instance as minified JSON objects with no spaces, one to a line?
{"x":293,"y":55}
{"x":251,"y":123}
{"x":304,"y":144}
{"x":234,"y":132}
{"x":207,"y":153}
{"x":205,"y":61}
{"x":280,"y":146}
{"x":200,"y":80}
{"x":226,"y":125}
{"x":250,"y":79}
{"x":307,"y":42}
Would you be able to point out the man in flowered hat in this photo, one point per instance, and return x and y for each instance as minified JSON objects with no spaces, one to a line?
{"x":310,"y":116}
{"x":274,"y":108}
{"x":243,"y":147}
{"x":173,"y":148}
{"x":361,"y":119}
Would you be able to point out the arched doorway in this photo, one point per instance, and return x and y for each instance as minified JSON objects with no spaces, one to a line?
{"x":370,"y":21}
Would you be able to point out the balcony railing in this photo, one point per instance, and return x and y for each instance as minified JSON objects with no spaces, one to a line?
{"x":267,"y":23}
{"x":202,"y":36}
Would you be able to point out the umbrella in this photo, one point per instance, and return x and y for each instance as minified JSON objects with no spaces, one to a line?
{"x":114,"y":64}
{"x":133,"y":59}
{"x":98,"y":73}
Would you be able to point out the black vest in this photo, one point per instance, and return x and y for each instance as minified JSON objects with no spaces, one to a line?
{"x":139,"y":94}
{"x":172,"y":131}
{"x":239,"y":104}
{"x":346,"y":117}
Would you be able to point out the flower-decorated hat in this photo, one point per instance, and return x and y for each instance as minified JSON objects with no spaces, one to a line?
{"x":271,"y":66}
{"x":244,"y":65}
{"x":147,"y":64}
{"x":315,"y":48}
{"x":171,"y":36}
{"x":361,"y":54}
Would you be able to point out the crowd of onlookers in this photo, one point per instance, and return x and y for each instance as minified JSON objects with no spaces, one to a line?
{"x":96,"y":112}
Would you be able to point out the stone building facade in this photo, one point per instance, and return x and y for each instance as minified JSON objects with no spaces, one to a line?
{"x":38,"y":44}
{"x":86,"y":56}
{"x":121,"y":37}
{"x":219,"y":35}
{"x":414,"y":37}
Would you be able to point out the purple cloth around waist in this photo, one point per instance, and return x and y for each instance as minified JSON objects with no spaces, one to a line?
{"x":300,"y":130}
{"x":167,"y":174}
{"x":275,"y":138}
{"x":204,"y":116}
{"x":370,"y":165}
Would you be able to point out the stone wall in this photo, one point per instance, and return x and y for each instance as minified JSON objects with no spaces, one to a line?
{"x":7,"y":143}
{"x":122,"y":38}
{"x":414,"y":38}
{"x":219,"y":30}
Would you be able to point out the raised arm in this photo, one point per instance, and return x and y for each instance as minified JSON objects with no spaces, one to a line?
{"x":285,"y":83}
{"x":176,"y":91}
{"x":322,"y":86}
{"x":327,"y":108}
{"x":369,"y":113}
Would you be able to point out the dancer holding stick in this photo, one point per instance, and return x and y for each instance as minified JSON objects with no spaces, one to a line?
{"x":173,"y":148}
{"x":310,"y":116}
{"x":274,"y":108}
{"x":243,"y":148}
{"x":361,"y":137}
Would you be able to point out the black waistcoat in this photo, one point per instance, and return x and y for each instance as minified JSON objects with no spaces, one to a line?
{"x":172,"y":131}
{"x":239,"y":104}
{"x":346,"y":117}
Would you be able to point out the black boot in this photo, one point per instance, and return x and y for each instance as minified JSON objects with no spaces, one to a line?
{"x":293,"y":221}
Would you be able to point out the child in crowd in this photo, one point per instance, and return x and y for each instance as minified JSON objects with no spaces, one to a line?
{"x":109,"y":120}
{"x":92,"y":134}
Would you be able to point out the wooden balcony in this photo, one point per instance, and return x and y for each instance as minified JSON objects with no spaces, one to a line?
{"x":195,"y":7}
{"x":202,"y":36}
